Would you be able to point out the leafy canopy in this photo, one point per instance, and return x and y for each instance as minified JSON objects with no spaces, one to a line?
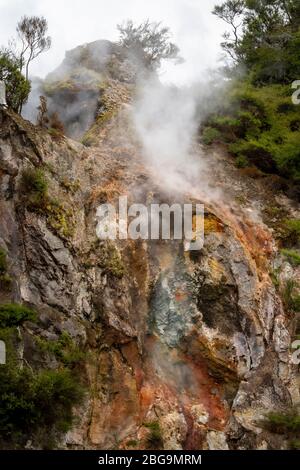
{"x":17,"y":87}
{"x":264,"y":37}
{"x":148,"y":43}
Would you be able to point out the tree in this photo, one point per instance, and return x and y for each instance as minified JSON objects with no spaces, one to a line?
{"x":17,"y":87}
{"x":231,"y":12}
{"x":264,"y":37}
{"x":147,"y":43}
{"x":32,"y":33}
{"x":13,"y":60}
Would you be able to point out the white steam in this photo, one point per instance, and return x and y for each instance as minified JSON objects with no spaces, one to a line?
{"x":167,"y":121}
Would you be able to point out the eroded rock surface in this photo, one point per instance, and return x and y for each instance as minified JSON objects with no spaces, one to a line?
{"x":196,"y":342}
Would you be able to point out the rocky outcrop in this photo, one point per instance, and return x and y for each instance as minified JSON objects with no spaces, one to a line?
{"x":184,"y":350}
{"x":77,"y":90}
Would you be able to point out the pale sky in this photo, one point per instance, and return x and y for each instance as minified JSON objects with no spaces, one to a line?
{"x":73,"y":22}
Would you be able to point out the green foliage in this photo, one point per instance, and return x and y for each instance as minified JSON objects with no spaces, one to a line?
{"x":35,"y":192}
{"x":33,"y":402}
{"x":295,"y":444}
{"x":258,"y":119}
{"x":274,"y":275}
{"x":64,"y":349}
{"x":56,"y":127}
{"x":3,"y":262}
{"x":5,"y":279}
{"x":90,"y":137}
{"x":290,"y":296}
{"x":61,"y":390}
{"x":241,"y":162}
{"x":70,"y":186}
{"x":110,"y":260}
{"x":59,"y":217}
{"x":34,"y":405}
{"x":14,"y":315}
{"x":32,"y":35}
{"x":210,"y":135}
{"x":249,"y":123}
{"x":264,"y":38}
{"x":147,"y":43}
{"x":5,"y":282}
{"x":296,"y":303}
{"x":132,"y":443}
{"x":291,"y":233}
{"x":292,"y":255}
{"x":17,"y":87}
{"x":34,"y":181}
{"x":154,"y":438}
{"x":283,"y":422}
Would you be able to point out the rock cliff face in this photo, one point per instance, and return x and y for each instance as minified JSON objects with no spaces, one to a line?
{"x":184,"y":350}
{"x":76,"y":89}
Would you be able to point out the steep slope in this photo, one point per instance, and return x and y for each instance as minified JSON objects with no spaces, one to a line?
{"x":75,"y":89}
{"x":182,"y":350}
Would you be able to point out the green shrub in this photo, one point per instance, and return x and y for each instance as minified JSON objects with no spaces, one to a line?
{"x":132,"y":443}
{"x":256,"y":152}
{"x":3,"y":262}
{"x":70,"y":186}
{"x":154,"y":438}
{"x":34,"y":181}
{"x":12,"y":315}
{"x":274,"y":275}
{"x":292,"y":255}
{"x":295,"y":444}
{"x":210,"y":135}
{"x":296,"y":303}
{"x":241,"y":162}
{"x":290,"y":299}
{"x":5,"y":279}
{"x":35,"y":189}
{"x":249,"y":123}
{"x":110,"y":260}
{"x":291,"y":231}
{"x":32,"y":403}
{"x":265,"y":46}
{"x":5,"y":282}
{"x":17,"y":87}
{"x":35,"y":405}
{"x":283,"y":422}
{"x":64,"y":349}
{"x":60,"y":389}
{"x":224,"y":123}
